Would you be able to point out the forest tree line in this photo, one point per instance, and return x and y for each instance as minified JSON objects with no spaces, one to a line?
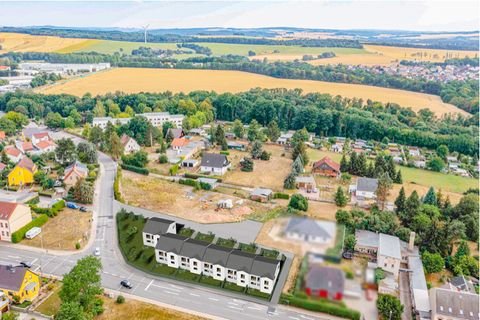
{"x":320,"y":113}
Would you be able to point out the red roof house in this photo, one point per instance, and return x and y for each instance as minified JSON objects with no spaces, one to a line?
{"x":326,"y":167}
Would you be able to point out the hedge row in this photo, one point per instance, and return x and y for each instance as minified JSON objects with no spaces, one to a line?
{"x":116,"y":186}
{"x":196,"y":176}
{"x":18,"y":235}
{"x":195,"y":184}
{"x":320,"y":306}
{"x":51,"y":212}
{"x":279,"y":195}
{"x":135,"y":169}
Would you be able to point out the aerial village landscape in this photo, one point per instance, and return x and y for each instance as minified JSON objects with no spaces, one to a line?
{"x":184,"y":171}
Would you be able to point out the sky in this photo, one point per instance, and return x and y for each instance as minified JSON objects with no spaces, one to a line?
{"x":427,"y":15}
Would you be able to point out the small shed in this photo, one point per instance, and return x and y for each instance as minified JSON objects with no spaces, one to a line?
{"x":212,"y":182}
{"x":305,"y":182}
{"x":261,"y":194}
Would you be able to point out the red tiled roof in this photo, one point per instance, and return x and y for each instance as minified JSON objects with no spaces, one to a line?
{"x":45,"y":144}
{"x":4,"y":67}
{"x":2,"y":166}
{"x":2,"y":134}
{"x":6,"y":209}
{"x":27,"y":146}
{"x":124,"y":139}
{"x":329,"y":162}
{"x":14,"y":152}
{"x":40,"y":135}
{"x":179,"y":142}
{"x":27,"y":163}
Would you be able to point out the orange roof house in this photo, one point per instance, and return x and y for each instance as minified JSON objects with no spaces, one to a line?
{"x":326,"y":167}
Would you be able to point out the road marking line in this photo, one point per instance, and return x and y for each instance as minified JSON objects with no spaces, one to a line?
{"x":148,"y":286}
{"x":14,"y":257}
{"x":158,"y":286}
{"x":305,"y":317}
{"x":194,"y":295}
{"x":170,"y":292}
{"x":34,"y":260}
{"x":294,"y":318}
{"x":213,"y":299}
{"x":236,"y":308}
{"x":176,"y":287}
{"x":233,"y":303}
{"x":254,"y":308}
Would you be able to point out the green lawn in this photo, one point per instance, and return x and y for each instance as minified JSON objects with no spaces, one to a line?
{"x":50,"y":306}
{"x":110,"y":47}
{"x":207,"y":237}
{"x":210,"y":281}
{"x":269,"y":253}
{"x":228,"y":243}
{"x":233,"y":287}
{"x":248,"y":247}
{"x":446,"y":182}
{"x":242,"y":49}
{"x":257,"y":293}
{"x":187,"y":275}
{"x":187,"y":232}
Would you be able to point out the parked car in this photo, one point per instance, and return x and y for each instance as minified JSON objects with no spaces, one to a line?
{"x":32,"y":233}
{"x":83,"y":209}
{"x":96,"y":252}
{"x":26,"y":264}
{"x":126,"y":284}
{"x":347,"y":255}
{"x":72,"y":205}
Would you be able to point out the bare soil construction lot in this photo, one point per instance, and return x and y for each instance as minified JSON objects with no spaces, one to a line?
{"x":171,"y":198}
{"x":63,"y":231}
{"x":267,"y":174}
{"x":133,"y":80}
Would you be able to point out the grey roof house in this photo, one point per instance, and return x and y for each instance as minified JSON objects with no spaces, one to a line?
{"x":453,"y":305}
{"x":305,"y":229}
{"x":325,"y":282}
{"x":214,"y":163}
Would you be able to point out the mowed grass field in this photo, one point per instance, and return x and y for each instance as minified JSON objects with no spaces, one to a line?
{"x":20,"y":42}
{"x":132,"y":80}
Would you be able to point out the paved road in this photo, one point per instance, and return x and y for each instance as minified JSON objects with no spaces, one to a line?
{"x":200,"y":299}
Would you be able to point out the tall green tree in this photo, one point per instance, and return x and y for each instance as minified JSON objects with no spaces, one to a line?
{"x":411,"y":207}
{"x":344,"y":164}
{"x":401,"y":202}
{"x":340,"y":198}
{"x":273,"y":131}
{"x":389,"y":307}
{"x":383,"y":189}
{"x":253,"y":132}
{"x":257,"y":149}
{"x":65,"y":153}
{"x":238,"y":129}
{"x":430,"y":197}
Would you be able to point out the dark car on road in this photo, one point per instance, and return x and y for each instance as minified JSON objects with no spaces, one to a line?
{"x":126,"y":284}
{"x":83,"y":209}
{"x":26,"y":264}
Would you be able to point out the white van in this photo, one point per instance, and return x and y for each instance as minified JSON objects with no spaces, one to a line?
{"x":32,"y":233}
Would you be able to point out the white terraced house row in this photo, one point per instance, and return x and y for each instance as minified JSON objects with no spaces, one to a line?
{"x":224,"y":264}
{"x":157,"y":119}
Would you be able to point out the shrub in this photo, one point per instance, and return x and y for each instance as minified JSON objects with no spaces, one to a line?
{"x":321,"y":306}
{"x":116,"y":186}
{"x":190,"y":182}
{"x":140,"y":170}
{"x":299,"y":202}
{"x":196,"y":175}
{"x":225,"y":153}
{"x":120,"y":299}
{"x":280,"y":195}
{"x":205,"y":186}
{"x":77,"y":245}
{"x":173,"y":170}
{"x":163,"y":158}
{"x":18,"y":235}
{"x":265,"y":155}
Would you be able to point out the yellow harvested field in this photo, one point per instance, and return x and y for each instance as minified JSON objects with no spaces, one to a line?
{"x":434,"y":55}
{"x":20,"y":42}
{"x":133,"y":80}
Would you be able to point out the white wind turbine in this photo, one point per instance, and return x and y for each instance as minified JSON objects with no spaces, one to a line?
{"x":145,"y":28}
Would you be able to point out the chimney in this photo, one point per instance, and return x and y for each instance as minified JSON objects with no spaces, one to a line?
{"x":411,"y":241}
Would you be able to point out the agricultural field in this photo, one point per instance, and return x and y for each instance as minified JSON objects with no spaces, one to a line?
{"x":19,"y":42}
{"x":172,"y":198}
{"x":134,"y":80}
{"x":57,"y":235}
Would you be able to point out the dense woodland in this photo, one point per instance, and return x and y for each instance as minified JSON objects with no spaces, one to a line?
{"x":319,"y":113}
{"x":463,"y":94}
